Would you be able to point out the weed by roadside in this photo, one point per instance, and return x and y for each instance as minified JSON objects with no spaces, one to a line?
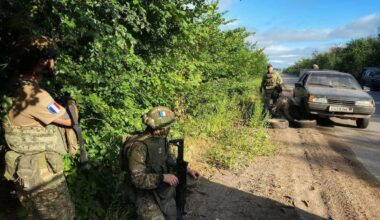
{"x":234,"y":134}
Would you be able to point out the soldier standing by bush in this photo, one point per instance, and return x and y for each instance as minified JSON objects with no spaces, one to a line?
{"x":271,"y":84}
{"x":150,"y":166}
{"x":36,"y":145}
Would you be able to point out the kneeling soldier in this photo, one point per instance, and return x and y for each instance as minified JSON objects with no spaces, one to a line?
{"x":150,"y":167}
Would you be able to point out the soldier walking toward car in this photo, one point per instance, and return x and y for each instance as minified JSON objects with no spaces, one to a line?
{"x":149,"y":166}
{"x":35,"y":142}
{"x":271,"y":85}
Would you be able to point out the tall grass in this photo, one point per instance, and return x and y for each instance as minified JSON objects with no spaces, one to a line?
{"x":236,"y":127}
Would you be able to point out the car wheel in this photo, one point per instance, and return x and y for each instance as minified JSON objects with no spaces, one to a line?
{"x":362,"y":122}
{"x":278,"y":123}
{"x":305,"y":123}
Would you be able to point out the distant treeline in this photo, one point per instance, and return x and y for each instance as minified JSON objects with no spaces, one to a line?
{"x":351,"y":58}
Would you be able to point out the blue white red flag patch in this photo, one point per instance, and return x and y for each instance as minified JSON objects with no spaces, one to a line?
{"x":54,"y":108}
{"x":162,"y":114}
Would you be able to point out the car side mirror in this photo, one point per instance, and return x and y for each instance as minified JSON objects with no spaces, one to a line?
{"x":365,"y":88}
{"x":298,"y":85}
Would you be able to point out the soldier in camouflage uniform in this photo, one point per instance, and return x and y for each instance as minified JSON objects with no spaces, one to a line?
{"x":36,"y":145}
{"x":271,"y":84}
{"x":149,"y":168}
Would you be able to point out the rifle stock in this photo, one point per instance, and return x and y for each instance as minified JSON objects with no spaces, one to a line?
{"x":181,"y":174}
{"x":71,"y":109}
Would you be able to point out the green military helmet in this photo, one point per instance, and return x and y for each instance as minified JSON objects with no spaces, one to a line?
{"x":159,"y":117}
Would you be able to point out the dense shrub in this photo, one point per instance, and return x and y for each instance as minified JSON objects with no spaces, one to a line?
{"x":120,"y":58}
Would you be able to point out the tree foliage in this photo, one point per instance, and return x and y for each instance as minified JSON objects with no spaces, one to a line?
{"x":352,"y":58}
{"x":120,"y":58}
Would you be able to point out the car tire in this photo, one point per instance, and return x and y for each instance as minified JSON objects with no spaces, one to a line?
{"x":278,"y":123}
{"x":362,"y":122}
{"x":305,"y":123}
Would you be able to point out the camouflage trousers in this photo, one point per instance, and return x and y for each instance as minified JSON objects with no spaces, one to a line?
{"x":51,"y":202}
{"x":268,"y":100}
{"x":148,"y":209}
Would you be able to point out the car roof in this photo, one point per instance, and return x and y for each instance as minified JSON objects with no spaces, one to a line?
{"x":371,"y":68}
{"x":328,"y":72}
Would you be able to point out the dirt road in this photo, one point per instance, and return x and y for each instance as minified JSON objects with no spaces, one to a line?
{"x":314,"y":176}
{"x":365,"y":143}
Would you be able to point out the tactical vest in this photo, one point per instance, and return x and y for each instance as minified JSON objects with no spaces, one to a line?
{"x":32,"y":140}
{"x":156,"y":162}
{"x":34,"y":159}
{"x":270,"y":81}
{"x":157,"y":153}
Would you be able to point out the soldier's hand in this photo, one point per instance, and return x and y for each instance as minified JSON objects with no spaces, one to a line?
{"x":193,"y":173}
{"x":171,"y":179}
{"x":71,"y":101}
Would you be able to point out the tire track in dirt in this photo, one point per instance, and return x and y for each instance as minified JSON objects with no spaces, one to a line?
{"x":346,"y":195}
{"x":307,"y":179}
{"x":278,"y":187}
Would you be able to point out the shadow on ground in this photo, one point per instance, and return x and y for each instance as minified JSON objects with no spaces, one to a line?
{"x":211,"y":200}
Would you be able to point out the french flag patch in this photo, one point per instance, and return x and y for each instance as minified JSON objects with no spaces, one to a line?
{"x":54,"y":108}
{"x":162,"y":114}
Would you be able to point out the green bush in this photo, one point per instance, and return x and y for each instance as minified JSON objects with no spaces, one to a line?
{"x":120,"y":58}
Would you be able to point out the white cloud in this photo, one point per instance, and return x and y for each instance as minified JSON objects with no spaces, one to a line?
{"x":224,"y":5}
{"x":276,"y":49}
{"x":362,"y":27}
{"x":278,"y":61}
{"x":303,"y":43}
{"x":287,"y":56}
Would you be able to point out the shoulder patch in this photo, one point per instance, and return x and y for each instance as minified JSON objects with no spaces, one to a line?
{"x":54,"y":108}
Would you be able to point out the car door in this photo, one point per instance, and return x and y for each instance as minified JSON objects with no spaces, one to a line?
{"x":363,"y":80}
{"x":300,"y":91}
{"x":370,"y":78}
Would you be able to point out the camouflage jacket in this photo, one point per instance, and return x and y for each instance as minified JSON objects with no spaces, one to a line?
{"x":147,"y":160}
{"x":270,"y":81}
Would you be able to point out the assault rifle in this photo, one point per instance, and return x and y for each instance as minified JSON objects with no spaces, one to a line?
{"x":180,"y":197}
{"x":72,"y":111}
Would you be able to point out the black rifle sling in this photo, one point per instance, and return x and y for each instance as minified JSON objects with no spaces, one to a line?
{"x":78,"y":131}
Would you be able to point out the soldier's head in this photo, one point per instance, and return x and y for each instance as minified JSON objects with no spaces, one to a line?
{"x":315,"y":66}
{"x":159,"y":120}
{"x":38,"y":56}
{"x":270,"y":68}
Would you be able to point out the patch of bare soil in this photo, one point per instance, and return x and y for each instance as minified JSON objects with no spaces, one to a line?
{"x":314,"y":176}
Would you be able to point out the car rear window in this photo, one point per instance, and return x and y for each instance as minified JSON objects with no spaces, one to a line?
{"x":333,"y":80}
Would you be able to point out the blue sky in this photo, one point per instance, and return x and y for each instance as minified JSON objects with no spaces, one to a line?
{"x":294,"y":29}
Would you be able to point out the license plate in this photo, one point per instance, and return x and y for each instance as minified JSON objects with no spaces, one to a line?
{"x":340,"y":109}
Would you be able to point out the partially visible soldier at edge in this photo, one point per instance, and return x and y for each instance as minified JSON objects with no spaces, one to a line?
{"x":148,"y":163}
{"x":36,"y":145}
{"x":271,"y":85}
